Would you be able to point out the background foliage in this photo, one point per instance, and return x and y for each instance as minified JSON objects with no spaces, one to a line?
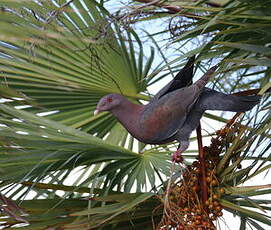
{"x":68,"y":169}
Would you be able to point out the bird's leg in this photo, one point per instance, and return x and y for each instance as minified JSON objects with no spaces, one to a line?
{"x":177,"y":156}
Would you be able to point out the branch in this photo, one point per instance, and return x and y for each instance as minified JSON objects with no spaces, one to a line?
{"x":171,"y":9}
{"x":213,"y":4}
{"x":251,"y":92}
{"x":55,"y":13}
{"x":203,"y":183}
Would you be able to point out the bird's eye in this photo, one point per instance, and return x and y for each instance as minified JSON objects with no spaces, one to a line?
{"x":110,"y":99}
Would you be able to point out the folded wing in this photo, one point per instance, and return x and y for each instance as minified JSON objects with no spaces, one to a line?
{"x":168,"y":113}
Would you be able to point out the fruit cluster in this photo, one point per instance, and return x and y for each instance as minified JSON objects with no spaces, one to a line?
{"x":184,"y":208}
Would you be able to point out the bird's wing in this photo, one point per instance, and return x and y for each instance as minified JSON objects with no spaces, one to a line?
{"x":161,"y":119}
{"x":182,"y":79}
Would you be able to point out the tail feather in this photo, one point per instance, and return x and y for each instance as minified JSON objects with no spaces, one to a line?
{"x":213,"y":100}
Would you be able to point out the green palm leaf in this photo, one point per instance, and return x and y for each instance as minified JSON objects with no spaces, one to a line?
{"x":58,"y":58}
{"x":72,"y":63}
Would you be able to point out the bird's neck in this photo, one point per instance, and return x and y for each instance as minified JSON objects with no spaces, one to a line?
{"x":128,"y":115}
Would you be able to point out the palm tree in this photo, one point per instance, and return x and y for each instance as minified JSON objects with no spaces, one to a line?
{"x":62,"y":168}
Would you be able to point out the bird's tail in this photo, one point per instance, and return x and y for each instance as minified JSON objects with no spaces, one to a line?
{"x":213,"y":100}
{"x":205,"y":78}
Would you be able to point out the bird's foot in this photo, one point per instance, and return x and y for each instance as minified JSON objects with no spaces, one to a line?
{"x":177,"y":157}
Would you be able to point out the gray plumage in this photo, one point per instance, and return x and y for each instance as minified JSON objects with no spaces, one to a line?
{"x":175,"y":111}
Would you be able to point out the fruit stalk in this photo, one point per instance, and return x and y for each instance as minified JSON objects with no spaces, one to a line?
{"x":203,"y":183}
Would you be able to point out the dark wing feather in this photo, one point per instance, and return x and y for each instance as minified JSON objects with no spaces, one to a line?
{"x":181,"y":80}
{"x":184,"y":77}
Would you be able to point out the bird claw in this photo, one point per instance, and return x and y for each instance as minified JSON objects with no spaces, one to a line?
{"x":177,"y":157}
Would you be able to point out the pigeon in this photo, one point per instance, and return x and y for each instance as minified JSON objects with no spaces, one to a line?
{"x":175,"y":111}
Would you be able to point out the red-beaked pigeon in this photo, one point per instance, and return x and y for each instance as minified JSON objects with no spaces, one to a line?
{"x":175,"y":111}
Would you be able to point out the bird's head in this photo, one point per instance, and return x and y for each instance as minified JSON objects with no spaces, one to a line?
{"x":108,"y":102}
